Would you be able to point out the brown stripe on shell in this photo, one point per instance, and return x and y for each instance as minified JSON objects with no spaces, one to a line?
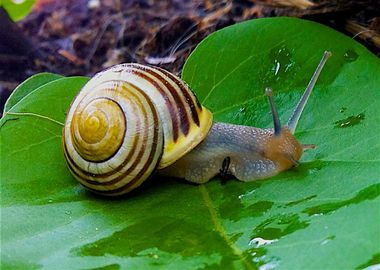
{"x":134,"y":180}
{"x":75,"y":142}
{"x":122,"y":165}
{"x":104,"y":175}
{"x":75,"y":168}
{"x":130,"y":169}
{"x":138,"y":159}
{"x":171,"y":107}
{"x":184,"y":89}
{"x":152,"y":153}
{"x":184,"y":119}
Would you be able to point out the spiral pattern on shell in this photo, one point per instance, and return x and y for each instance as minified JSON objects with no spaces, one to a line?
{"x":126,"y":122}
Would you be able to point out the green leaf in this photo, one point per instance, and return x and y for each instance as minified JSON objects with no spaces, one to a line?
{"x":324,"y":214}
{"x":17,"y":9}
{"x":31,"y":84}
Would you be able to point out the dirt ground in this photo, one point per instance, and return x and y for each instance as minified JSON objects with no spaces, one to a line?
{"x":81,"y":37}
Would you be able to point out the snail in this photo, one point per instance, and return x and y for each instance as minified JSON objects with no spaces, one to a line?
{"x":131,"y":121}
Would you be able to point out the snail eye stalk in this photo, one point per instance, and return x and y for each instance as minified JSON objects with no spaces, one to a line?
{"x":293,"y":120}
{"x":276,"y":120}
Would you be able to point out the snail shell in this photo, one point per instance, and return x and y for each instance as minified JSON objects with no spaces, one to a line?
{"x":126,"y":122}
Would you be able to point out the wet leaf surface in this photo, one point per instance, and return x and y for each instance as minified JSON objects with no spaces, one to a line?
{"x":323,"y":214}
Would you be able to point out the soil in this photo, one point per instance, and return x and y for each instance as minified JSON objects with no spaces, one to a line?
{"x":82,"y":37}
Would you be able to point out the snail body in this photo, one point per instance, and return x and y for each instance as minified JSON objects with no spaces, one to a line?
{"x":260,"y":156}
{"x":132,"y":120}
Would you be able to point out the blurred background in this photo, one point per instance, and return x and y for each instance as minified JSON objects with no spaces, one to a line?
{"x":81,"y":37}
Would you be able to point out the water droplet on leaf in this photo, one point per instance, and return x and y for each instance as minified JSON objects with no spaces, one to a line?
{"x":269,"y":265}
{"x":343,"y":109}
{"x":328,"y":239}
{"x":242,"y":110}
{"x":350,"y":56}
{"x":369,"y":193}
{"x":258,"y":241}
{"x":242,"y":196}
{"x":282,"y":60}
{"x":350,"y":121}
